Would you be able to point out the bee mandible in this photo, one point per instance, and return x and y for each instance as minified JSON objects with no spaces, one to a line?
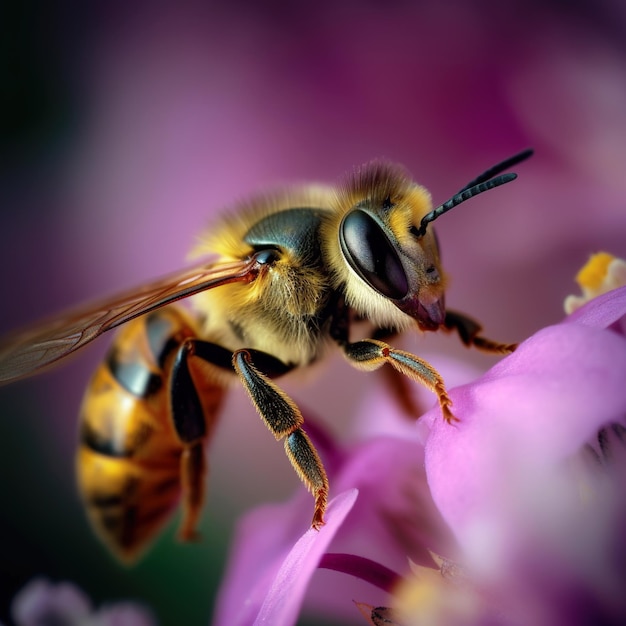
{"x":289,"y":275}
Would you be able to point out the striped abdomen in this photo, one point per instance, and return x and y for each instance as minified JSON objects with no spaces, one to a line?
{"x":129,"y":458}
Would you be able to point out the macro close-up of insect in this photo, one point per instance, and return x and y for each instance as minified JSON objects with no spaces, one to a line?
{"x":281,"y":279}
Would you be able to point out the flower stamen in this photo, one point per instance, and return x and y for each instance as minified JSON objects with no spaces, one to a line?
{"x":602,"y":273}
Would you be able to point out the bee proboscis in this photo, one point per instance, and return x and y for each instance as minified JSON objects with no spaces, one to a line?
{"x":290,"y":274}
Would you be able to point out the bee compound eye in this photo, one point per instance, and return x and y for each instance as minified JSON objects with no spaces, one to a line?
{"x":372,"y":255}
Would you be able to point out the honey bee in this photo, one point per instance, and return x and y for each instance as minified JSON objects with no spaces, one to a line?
{"x":289,"y":275}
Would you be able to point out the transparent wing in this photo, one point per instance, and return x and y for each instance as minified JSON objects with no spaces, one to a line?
{"x":32,"y":349}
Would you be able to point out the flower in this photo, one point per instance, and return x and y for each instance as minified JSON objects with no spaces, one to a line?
{"x":525,"y":497}
{"x":537,"y":522}
{"x":373,"y":532}
{"x":41,"y":603}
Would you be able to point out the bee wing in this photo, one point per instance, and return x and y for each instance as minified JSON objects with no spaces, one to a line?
{"x":32,"y":349}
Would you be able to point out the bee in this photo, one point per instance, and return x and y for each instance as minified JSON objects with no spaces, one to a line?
{"x":288,"y":276}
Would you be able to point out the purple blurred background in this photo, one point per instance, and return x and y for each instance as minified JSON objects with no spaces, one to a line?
{"x":126,"y":130}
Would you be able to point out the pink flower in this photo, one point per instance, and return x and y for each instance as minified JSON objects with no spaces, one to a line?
{"x":525,"y":497}
{"x":532,"y":481}
{"x":370,"y":532}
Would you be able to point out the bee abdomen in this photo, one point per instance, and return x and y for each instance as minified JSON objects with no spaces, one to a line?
{"x":116,"y":423}
{"x":134,"y":376}
{"x":128,"y":467}
{"x":127,"y":502}
{"x":99,"y":435}
{"x":128,"y":463}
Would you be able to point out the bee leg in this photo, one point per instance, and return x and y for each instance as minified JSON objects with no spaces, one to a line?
{"x":469,"y":329}
{"x":284,"y":419}
{"x":371,"y":354}
{"x":399,"y":385}
{"x":194,"y":403}
{"x":193,"y":472}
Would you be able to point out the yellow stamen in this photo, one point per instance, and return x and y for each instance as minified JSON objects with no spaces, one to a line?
{"x":594,"y":272}
{"x":602,"y":273}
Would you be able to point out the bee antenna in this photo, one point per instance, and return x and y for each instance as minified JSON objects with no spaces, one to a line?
{"x":487,"y":180}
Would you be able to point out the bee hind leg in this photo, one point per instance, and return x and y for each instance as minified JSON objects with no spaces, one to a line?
{"x":284,"y":419}
{"x":194,"y":403}
{"x":193,"y":472}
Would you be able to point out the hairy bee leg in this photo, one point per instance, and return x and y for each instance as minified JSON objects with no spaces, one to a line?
{"x":284,"y":419}
{"x":371,"y":354}
{"x":193,"y":419}
{"x":469,"y":329}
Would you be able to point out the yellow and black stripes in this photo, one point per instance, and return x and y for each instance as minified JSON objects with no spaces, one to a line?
{"x":135,"y":461}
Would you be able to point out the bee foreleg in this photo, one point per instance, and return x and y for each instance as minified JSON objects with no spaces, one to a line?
{"x":284,"y":419}
{"x":371,"y":354}
{"x":469,"y":329}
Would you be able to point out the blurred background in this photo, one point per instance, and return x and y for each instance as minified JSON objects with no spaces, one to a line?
{"x":124,"y":130}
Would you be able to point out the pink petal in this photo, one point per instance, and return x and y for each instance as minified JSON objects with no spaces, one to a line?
{"x":394,"y":517}
{"x":602,"y":311}
{"x":269,"y":574}
{"x":393,"y":520}
{"x":282,"y":603}
{"x":532,"y":409}
{"x":538,"y":523}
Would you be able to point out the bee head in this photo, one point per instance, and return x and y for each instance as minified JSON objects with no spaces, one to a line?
{"x":378,"y":241}
{"x":385,"y":237}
